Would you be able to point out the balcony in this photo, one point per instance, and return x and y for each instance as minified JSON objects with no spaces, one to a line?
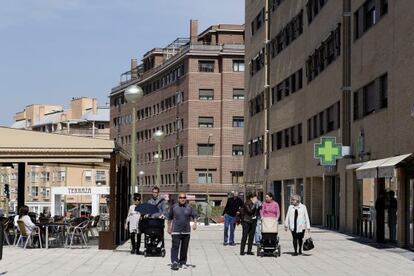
{"x":85,"y":132}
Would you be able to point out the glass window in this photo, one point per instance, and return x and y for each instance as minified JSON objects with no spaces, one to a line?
{"x":205,"y":149}
{"x":238,"y":121}
{"x":238,"y":150}
{"x":206,"y":94}
{"x":204,"y":176}
{"x":206,"y":66}
{"x":238,"y":65}
{"x":238,"y":94}
{"x":205,"y":122}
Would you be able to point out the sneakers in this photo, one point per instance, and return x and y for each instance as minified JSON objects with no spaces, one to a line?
{"x":225,"y":243}
{"x":250,"y":253}
{"x":175,"y":266}
{"x":183,"y":266}
{"x":232,"y":244}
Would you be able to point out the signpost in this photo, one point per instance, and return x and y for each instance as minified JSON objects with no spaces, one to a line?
{"x":328,"y":151}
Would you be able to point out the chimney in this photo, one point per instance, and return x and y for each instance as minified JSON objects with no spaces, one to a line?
{"x":193,"y":31}
{"x":134,"y":68}
{"x":94,"y":106}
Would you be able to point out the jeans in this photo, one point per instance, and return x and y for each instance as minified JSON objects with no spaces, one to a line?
{"x":258,"y":232}
{"x":229,"y":222}
{"x":135,"y":241}
{"x":248,"y":234}
{"x":179,"y":243}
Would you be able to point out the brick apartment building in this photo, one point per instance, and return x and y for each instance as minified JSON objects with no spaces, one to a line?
{"x":84,"y":118}
{"x":341,"y":69}
{"x":194,"y":93}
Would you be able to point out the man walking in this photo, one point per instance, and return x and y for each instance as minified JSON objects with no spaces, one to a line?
{"x":230,"y":212}
{"x":159,"y":202}
{"x":179,"y":218}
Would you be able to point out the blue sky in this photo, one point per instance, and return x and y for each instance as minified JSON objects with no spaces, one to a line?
{"x":53,"y":50}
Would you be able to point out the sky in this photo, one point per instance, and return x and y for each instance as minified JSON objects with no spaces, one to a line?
{"x":53,"y":50}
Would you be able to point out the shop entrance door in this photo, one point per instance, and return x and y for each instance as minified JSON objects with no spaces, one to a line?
{"x":332,"y":202}
{"x":410,"y":214}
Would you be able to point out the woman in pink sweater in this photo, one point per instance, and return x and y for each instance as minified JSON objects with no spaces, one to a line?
{"x":270,"y":208}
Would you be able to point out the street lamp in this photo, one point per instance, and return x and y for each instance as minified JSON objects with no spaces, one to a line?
{"x":158,"y":136}
{"x":132,"y":95}
{"x":141,"y":175}
{"x":206,"y":222}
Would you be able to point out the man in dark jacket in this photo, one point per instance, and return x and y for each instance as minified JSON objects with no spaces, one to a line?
{"x":248,"y":223}
{"x":230,"y":212}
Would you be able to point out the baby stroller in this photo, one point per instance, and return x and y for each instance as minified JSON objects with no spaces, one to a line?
{"x":269,"y":244}
{"x":153,"y":230}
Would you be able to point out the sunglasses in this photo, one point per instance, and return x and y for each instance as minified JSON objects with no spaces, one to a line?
{"x":182,"y":197}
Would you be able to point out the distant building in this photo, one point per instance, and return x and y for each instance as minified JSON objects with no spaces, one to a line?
{"x":194,"y":87}
{"x":84,"y":118}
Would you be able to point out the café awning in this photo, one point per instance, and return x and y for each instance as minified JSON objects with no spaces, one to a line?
{"x":380,"y":168}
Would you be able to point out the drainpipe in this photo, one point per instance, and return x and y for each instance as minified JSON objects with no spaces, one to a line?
{"x":266,"y":142}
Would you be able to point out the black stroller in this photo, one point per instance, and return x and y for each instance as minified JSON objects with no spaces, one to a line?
{"x":269,"y":244}
{"x":153,"y":230}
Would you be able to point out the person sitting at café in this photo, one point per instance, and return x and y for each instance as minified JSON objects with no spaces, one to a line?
{"x":24,"y":216}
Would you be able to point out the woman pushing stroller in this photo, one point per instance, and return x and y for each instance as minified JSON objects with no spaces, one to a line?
{"x":269,"y":213}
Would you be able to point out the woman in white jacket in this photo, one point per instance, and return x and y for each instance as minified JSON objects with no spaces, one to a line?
{"x":133,"y":227}
{"x":297,"y":221}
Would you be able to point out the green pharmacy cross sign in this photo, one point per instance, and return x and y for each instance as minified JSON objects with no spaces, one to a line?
{"x":328,"y":151}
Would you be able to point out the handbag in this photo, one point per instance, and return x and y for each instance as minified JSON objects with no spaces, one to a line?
{"x":308,"y":244}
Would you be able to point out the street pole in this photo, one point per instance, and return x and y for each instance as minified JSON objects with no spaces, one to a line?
{"x":159,"y":165}
{"x":133,"y":152}
{"x":206,"y":222}
{"x":132,"y":94}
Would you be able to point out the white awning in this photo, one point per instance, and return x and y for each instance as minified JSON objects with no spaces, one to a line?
{"x":386,"y":169}
{"x":381,"y":167}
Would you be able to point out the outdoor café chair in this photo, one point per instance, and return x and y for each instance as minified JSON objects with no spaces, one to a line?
{"x":6,"y":231}
{"x":29,"y":237}
{"x":79,"y":231}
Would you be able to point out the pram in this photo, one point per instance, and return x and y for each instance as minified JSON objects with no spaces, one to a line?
{"x":269,"y":244}
{"x":153,"y":230}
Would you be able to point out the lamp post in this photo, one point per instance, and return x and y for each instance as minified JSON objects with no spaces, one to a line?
{"x":206,"y":222}
{"x":132,"y":95}
{"x":158,"y":136}
{"x":141,"y":175}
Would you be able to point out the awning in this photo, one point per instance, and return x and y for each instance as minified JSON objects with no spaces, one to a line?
{"x":380,"y":168}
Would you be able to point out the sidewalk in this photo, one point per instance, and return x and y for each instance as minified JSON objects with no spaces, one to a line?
{"x":335,"y":254}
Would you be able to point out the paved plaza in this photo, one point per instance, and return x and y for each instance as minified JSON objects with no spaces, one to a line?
{"x":335,"y":254}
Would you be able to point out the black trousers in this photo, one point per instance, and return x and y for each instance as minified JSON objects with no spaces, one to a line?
{"x":135,"y":241}
{"x":247,"y":235}
{"x":298,"y":240}
{"x":180,"y":244}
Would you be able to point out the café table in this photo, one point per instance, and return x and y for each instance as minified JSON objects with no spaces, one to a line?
{"x":46,"y":226}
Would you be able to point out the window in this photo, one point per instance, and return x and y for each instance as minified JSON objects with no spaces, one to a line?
{"x":313,"y":7}
{"x":236,"y":177}
{"x":238,"y":65}
{"x":204,"y":176}
{"x":328,"y":52}
{"x":322,"y":123}
{"x":206,"y":66}
{"x":238,"y":94}
{"x":279,"y":140}
{"x":238,"y":121}
{"x":238,"y":150}
{"x":205,"y":121}
{"x":330,"y":119}
{"x":368,"y":15}
{"x":205,"y":149}
{"x":369,"y":98}
{"x":257,"y":22}
{"x":100,"y":176}
{"x":383,"y":91}
{"x":35,"y":191}
{"x":286,"y":131}
{"x":206,"y":94}
{"x":299,"y":133}
{"x":292,"y":30}
{"x":288,"y":86}
{"x":61,"y":176}
{"x":88,"y":176}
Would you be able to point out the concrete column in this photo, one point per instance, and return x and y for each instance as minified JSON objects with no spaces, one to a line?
{"x":21,"y":188}
{"x":95,"y":204}
{"x":403,"y":194}
{"x":317,"y":197}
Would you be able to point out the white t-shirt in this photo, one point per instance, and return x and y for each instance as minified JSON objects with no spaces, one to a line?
{"x":27,"y":223}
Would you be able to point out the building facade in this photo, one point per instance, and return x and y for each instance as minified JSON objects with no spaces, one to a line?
{"x":194,"y":93}
{"x":339,"y":69}
{"x":84,"y":118}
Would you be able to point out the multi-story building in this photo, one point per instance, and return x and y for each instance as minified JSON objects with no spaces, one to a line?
{"x":193,"y":92}
{"x":339,"y":69}
{"x":84,"y":118}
